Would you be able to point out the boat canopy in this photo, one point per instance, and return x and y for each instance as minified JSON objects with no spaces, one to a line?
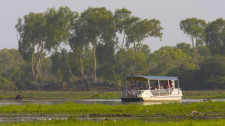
{"x":145,"y":78}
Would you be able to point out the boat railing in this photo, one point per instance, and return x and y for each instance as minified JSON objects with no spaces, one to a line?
{"x":128,"y":94}
{"x":137,"y":93}
{"x":156,"y":92}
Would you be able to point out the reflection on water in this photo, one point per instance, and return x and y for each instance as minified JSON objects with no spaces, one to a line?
{"x":91,"y":101}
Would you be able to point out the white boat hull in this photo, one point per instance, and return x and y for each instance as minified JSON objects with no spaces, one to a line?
{"x":146,"y":95}
{"x":163,"y":98}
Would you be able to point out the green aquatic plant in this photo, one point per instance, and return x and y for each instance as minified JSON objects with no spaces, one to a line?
{"x":75,"y":122}
{"x":171,"y":109}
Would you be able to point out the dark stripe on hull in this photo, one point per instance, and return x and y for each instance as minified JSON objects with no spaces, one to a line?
{"x":131,"y":99}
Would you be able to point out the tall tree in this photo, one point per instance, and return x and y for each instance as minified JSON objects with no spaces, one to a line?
{"x":215,"y":36}
{"x":42,"y":32}
{"x":141,"y":30}
{"x":99,"y":28}
{"x":78,"y":43}
{"x":195,"y":29}
{"x":123,"y":21}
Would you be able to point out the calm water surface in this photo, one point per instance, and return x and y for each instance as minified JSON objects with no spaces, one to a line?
{"x":91,"y":101}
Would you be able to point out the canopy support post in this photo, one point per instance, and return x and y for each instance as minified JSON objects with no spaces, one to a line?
{"x":126,"y":87}
{"x":149,"y":85}
{"x":168,"y":86}
{"x":178,"y":87}
{"x":159,"y":87}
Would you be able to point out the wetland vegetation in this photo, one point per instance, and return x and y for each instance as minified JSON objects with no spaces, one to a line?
{"x":202,"y":113}
{"x":217,"y":122}
{"x":202,"y":109}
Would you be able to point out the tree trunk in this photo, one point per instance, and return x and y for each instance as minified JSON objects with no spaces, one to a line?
{"x":193,"y":46}
{"x":38,"y":69}
{"x":135,"y":62}
{"x":32,"y":65}
{"x":71,"y":72}
{"x":82,"y":64}
{"x":38,"y":60}
{"x":139,"y":46}
{"x":117,"y":83}
{"x":95,"y":64}
{"x":135,"y":47}
{"x":196,"y":54}
{"x":124,"y":36}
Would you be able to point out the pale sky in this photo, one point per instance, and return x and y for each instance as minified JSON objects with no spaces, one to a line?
{"x":169,"y":12}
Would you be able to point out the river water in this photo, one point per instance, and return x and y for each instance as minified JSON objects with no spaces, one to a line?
{"x":91,"y":101}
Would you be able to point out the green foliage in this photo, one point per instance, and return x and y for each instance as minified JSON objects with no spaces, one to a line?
{"x":95,"y":49}
{"x":61,"y":66}
{"x":143,"y":29}
{"x":213,"y":72}
{"x":186,"y":48}
{"x":166,"y":59}
{"x":5,"y":84}
{"x":13,"y":67}
{"x":9,"y":58}
{"x":129,"y":62}
{"x":105,"y":56}
{"x":215,"y":36}
{"x":41,"y":32}
{"x":98,"y":28}
{"x":194,"y":27}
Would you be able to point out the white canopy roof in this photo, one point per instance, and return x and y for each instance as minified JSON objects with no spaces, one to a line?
{"x":145,"y":78}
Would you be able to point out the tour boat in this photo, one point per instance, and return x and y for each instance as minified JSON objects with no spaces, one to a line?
{"x":151,"y":88}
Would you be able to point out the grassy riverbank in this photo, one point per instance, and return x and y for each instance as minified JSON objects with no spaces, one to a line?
{"x":60,"y":95}
{"x":211,"y":94}
{"x":203,"y":109}
{"x":219,"y":122}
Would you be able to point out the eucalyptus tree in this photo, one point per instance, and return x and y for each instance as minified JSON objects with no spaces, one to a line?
{"x":123,"y":21}
{"x":141,"y":30}
{"x":98,"y":27}
{"x":195,"y":29}
{"x":78,"y":43}
{"x":215,"y":36}
{"x":40,"y":33}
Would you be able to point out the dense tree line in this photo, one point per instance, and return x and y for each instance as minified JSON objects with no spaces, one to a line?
{"x":99,"y":46}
